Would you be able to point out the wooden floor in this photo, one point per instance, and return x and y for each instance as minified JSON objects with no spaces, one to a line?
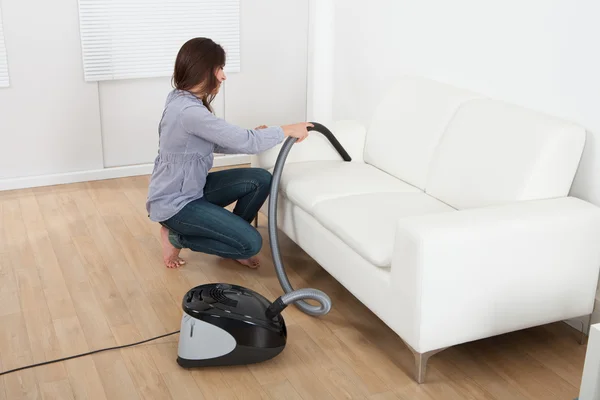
{"x":80,"y":269}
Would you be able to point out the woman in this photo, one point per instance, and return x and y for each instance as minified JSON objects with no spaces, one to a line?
{"x":183,"y":196}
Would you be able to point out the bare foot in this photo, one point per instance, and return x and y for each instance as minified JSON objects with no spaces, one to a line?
{"x":170,"y":252}
{"x":252,"y":262}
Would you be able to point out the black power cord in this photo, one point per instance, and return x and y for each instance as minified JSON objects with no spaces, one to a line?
{"x":88,"y":353}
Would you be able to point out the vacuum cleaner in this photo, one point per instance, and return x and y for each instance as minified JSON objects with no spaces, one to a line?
{"x":226,"y":324}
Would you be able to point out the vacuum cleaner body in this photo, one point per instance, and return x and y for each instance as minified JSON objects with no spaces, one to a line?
{"x":226,"y":324}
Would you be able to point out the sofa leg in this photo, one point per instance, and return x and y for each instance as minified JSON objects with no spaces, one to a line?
{"x":421,"y":360}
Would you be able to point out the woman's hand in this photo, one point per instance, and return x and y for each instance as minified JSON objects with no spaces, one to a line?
{"x":261,"y":127}
{"x":298,"y":130}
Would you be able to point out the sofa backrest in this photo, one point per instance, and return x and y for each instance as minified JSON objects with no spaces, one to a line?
{"x":407,"y":125}
{"x":470,"y":151}
{"x":493,"y":153}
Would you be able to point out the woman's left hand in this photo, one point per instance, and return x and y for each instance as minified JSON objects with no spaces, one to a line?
{"x":261,"y":127}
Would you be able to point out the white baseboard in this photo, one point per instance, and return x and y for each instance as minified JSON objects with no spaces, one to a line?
{"x":74,"y":177}
{"x":101,"y":174}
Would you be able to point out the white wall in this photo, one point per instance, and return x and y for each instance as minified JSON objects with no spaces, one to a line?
{"x":271,"y":88}
{"x":49,"y":116}
{"x":321,"y":61}
{"x":53,"y":122}
{"x":540,"y":54}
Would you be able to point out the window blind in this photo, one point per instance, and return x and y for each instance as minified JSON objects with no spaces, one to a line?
{"x":124,"y":39}
{"x":4,"y":79}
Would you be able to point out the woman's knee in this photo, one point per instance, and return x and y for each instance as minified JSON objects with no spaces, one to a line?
{"x":262,"y":176}
{"x":253,"y":243}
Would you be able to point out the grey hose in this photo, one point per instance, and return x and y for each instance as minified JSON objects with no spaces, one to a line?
{"x":292,"y":296}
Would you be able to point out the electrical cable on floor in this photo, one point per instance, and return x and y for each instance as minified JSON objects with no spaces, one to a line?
{"x":88,"y":353}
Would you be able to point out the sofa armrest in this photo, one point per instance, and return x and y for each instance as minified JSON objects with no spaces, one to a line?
{"x":470,"y":274}
{"x":316,"y":147}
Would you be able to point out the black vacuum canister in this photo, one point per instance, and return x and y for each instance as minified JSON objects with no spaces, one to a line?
{"x":225,"y":324}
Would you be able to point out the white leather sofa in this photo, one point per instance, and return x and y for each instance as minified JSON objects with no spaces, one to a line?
{"x":453,"y":221}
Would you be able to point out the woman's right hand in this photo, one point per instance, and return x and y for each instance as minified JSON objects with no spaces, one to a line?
{"x":298,"y":130}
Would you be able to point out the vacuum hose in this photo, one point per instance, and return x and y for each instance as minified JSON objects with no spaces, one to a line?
{"x":291,"y":295}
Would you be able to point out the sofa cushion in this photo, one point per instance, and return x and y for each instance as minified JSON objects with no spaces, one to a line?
{"x":407,"y":125}
{"x":367,"y":222}
{"x":494,"y":153}
{"x":309,"y":183}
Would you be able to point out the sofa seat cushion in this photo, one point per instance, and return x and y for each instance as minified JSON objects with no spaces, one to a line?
{"x":367,"y":222}
{"x":309,"y":183}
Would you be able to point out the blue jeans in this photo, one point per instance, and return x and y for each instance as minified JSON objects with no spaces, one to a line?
{"x":205,"y":226}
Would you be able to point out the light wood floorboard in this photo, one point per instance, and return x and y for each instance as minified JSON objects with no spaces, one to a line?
{"x":80,"y":269}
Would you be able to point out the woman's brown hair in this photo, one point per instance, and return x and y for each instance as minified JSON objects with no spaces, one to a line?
{"x":196,"y":64}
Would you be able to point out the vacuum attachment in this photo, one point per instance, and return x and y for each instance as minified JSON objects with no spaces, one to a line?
{"x":295,"y":296}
